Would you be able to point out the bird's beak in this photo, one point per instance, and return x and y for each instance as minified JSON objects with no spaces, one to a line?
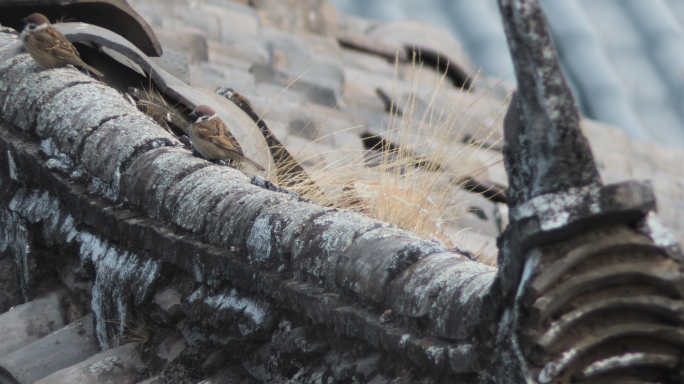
{"x":24,"y":20}
{"x":193,"y":115}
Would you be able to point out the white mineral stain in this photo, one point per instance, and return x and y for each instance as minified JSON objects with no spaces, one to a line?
{"x":617,"y":361}
{"x":658,"y":232}
{"x":69,"y":228}
{"x":479,"y":284}
{"x":12,"y":167}
{"x":198,"y":269}
{"x":259,"y":240}
{"x":116,"y":271}
{"x":103,"y":189}
{"x":196,"y":295}
{"x":553,"y":368}
{"x":297,"y":215}
{"x":404,"y":339}
{"x":436,"y":354}
{"x":104,"y":365}
{"x":533,"y":259}
{"x":147,"y":276}
{"x":57,"y":159}
{"x":559,"y":220}
{"x":254,"y":310}
{"x":554,"y":210}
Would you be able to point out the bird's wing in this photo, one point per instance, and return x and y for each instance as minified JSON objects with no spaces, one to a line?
{"x":218,"y":135}
{"x":57,"y":45}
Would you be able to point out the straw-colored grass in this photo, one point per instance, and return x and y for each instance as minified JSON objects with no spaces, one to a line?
{"x":414,"y":186}
{"x":134,"y":330}
{"x":152,"y":103}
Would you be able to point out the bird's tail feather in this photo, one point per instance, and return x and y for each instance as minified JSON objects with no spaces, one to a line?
{"x":93,"y":70}
{"x":252,"y":163}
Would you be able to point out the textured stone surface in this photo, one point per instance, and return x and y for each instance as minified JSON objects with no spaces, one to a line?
{"x":29,"y":322}
{"x":369,"y":273}
{"x":238,"y":224}
{"x":561,"y":242}
{"x":118,"y":365}
{"x":545,"y":151}
{"x":60,"y":349}
{"x":9,"y":285}
{"x":415,"y":290}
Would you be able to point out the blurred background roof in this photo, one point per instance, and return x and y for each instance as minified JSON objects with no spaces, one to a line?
{"x":624,"y":58}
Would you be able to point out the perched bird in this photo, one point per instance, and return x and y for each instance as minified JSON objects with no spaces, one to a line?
{"x":212,"y":140}
{"x":48,"y":47}
{"x":240,"y":101}
{"x":289,"y":171}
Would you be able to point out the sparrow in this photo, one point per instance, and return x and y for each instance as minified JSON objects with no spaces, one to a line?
{"x":212,"y":139}
{"x":246,"y":107}
{"x":289,"y":171}
{"x":48,"y":47}
{"x":240,"y":101}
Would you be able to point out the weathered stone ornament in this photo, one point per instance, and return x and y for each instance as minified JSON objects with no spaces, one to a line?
{"x":592,"y":283}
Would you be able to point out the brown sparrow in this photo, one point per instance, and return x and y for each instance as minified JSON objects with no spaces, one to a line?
{"x":241,"y":102}
{"x":212,"y":139}
{"x":48,"y":47}
{"x":289,"y":170}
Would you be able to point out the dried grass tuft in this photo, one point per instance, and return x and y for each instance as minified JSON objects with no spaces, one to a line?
{"x":152,"y":103}
{"x":413,"y":177}
{"x":134,"y":330}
